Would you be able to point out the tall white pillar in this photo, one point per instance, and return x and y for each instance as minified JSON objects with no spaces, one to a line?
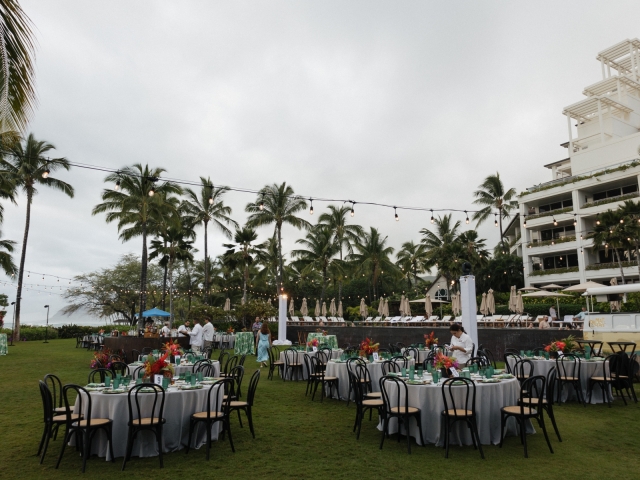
{"x":600,"y":120}
{"x":468,"y":303}
{"x":282,"y":317}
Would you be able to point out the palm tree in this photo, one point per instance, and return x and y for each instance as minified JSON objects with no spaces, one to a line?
{"x":277,"y":204}
{"x":319,"y":253}
{"x":267,"y":254}
{"x":6,"y":260}
{"x":175,"y":245}
{"x":491,"y":193}
{"x":610,"y":233}
{"x":17,"y":85}
{"x":27,"y":167}
{"x":473,"y":248}
{"x":208,"y":207}
{"x":441,"y":248}
{"x":7,"y":188}
{"x":344,"y":235}
{"x":629,"y":212}
{"x":244,"y":253}
{"x":411,"y":259}
{"x":372,"y":256}
{"x":138,"y":205}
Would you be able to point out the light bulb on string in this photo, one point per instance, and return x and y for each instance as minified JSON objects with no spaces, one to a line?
{"x":396,"y":214}
{"x":261,"y":205}
{"x":151,"y":192}
{"x":555,"y":223}
{"x":353,"y":212}
{"x":598,"y":219}
{"x":432,"y":220}
{"x":525,"y":222}
{"x":210,"y":199}
{"x":311,"y":207}
{"x":117,"y":186}
{"x":575,"y":221}
{"x":467,"y":219}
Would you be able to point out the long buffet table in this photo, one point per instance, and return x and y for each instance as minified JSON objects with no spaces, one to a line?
{"x":128,"y":344}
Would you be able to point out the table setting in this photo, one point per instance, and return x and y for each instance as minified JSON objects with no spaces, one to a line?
{"x":301,"y":352}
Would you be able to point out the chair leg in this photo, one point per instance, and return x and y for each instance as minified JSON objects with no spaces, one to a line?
{"x":446,"y":438}
{"x":239,"y":418}
{"x":110,"y":440}
{"x":359,"y":416}
{"x":233,"y":449}
{"x":524,"y":437}
{"x":250,"y":418}
{"x":86,"y":442}
{"x":502,"y":424}
{"x":544,"y":430}
{"x":208,"y":428}
{"x":67,"y":437}
{"x":45,"y":433}
{"x":159,"y":437}
{"x":419,"y":420}
{"x":474,"y":431}
{"x":385,"y":423}
{"x":553,"y":422}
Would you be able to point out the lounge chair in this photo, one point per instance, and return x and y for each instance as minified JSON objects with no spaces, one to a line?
{"x":308,"y":319}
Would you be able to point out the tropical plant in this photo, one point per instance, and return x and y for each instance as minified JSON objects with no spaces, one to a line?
{"x":27,"y":167}
{"x":206,"y":207}
{"x":277,"y":204}
{"x":372,"y":256}
{"x":629,"y":213}
{"x":244,"y":253}
{"x":442,"y":249}
{"x":6,"y":260}
{"x":138,"y":204}
{"x":411,"y":259}
{"x":609,"y":232}
{"x":491,"y":194}
{"x":344,"y":235}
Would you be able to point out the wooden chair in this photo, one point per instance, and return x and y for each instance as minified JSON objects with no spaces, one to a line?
{"x":460,"y":408}
{"x":402,"y":411}
{"x":363,"y":403}
{"x":238,"y":405}
{"x":52,"y":421}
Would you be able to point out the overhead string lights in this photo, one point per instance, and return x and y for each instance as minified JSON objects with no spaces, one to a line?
{"x":525,"y":222}
{"x":311,"y":207}
{"x":117,"y":185}
{"x":261,"y":205}
{"x":575,"y":220}
{"x":46,"y":171}
{"x":432,"y":220}
{"x":495,"y":219}
{"x":467,"y":219}
{"x":396,"y":214}
{"x":353,"y":212}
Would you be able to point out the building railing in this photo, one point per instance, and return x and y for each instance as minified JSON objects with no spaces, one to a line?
{"x":602,"y":266}
{"x":557,"y":211}
{"x":617,"y":198}
{"x":563,"y":239}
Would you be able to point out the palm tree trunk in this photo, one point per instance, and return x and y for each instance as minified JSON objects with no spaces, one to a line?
{"x":340,"y":281}
{"x":324,"y":283}
{"x":16,"y":327}
{"x":501,"y":234}
{"x":244,"y":282}
{"x":164,"y":281}
{"x":617,"y":255}
{"x":143,"y":277}
{"x":206,"y":262}
{"x":171,"y":293}
{"x":281,"y":273}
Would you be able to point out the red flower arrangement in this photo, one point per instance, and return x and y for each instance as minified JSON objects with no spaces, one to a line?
{"x":442,"y":361}
{"x":368,"y":347}
{"x":556,"y":346}
{"x":230,"y":330}
{"x":312,"y":343}
{"x":173,"y":348}
{"x":158,"y":367}
{"x":101,"y":359}
{"x":430,"y":339}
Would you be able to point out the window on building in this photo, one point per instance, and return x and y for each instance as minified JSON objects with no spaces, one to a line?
{"x":555,"y":206}
{"x":615,"y":192}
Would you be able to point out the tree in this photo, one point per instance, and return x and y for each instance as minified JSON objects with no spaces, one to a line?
{"x":491,"y":193}
{"x":344,"y":235}
{"x":442,"y":249}
{"x":138,"y":205}
{"x":321,"y":248}
{"x":473,"y":249}
{"x":277,"y":204}
{"x":372,"y":256}
{"x":610,"y":234}
{"x":208,"y":207}
{"x":411,"y":259}
{"x":629,"y":213}
{"x":6,"y":260}
{"x":27,"y":167}
{"x":174,"y":246}
{"x":500,"y":273}
{"x":269,"y":258}
{"x":244,"y":253}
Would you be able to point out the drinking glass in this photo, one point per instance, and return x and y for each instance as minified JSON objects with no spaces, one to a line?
{"x":192,"y":380}
{"x":107,"y":381}
{"x":165,"y":382}
{"x":404,"y":371}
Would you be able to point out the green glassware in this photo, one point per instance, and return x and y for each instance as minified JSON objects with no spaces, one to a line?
{"x":192,"y":381}
{"x":116,"y":383}
{"x":404,"y":371}
{"x":107,"y":381}
{"x":139,"y":381}
{"x":165,"y":382}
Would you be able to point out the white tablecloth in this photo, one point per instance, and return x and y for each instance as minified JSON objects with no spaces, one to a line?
{"x":422,"y":355}
{"x":587,"y":369}
{"x":490,"y":398}
{"x":219,"y":338}
{"x":340,"y":370}
{"x":179,"y":405}
{"x":305,"y":374}
{"x":179,"y":369}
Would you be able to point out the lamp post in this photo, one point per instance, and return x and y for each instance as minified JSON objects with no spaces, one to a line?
{"x":46,"y":329}
{"x":13,"y":325}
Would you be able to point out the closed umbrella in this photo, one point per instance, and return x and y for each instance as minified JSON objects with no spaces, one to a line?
{"x":402,"y":306}
{"x":491,"y":303}
{"x":242,"y":300}
{"x":428,"y":307}
{"x":269,"y":302}
{"x":407,"y":307}
{"x":304,"y":310}
{"x":324,"y":309}
{"x":519,"y":304}
{"x":552,"y":286}
{"x":512,"y":299}
{"x":381,"y":306}
{"x":317,"y":309}
{"x":528,"y":289}
{"x":292,"y":309}
{"x":455,"y":305}
{"x":340,"y":311}
{"x":332,"y":307}
{"x":483,"y":305}
{"x":614,"y":303}
{"x":227,"y":305}
{"x":363,"y":308}
{"x":386,"y":307}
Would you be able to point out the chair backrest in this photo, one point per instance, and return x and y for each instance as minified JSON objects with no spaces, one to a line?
{"x":242,"y":359}
{"x":55,"y":387}
{"x":516,"y":358}
{"x":389,"y":366}
{"x":352,"y":362}
{"x":397,"y":398}
{"x":323,"y":357}
{"x":486,"y":353}
{"x":231,"y":364}
{"x":400,"y":346}
{"x":223,"y":358}
{"x":411,"y":352}
{"x":569,"y":365}
{"x":510,"y":351}
{"x":358,"y":390}
{"x":115,"y":358}
{"x":291,"y":357}
{"x":317,"y":367}
{"x":135,"y":355}
{"x":119,"y":367}
{"x":362,"y":372}
{"x":464,"y":398}
{"x":533,"y":390}
{"x":76,"y":397}
{"x":523,"y":369}
{"x":237,"y":374}
{"x":138,"y":372}
{"x":253,"y":385}
{"x":327,"y":351}
{"x":199,"y":364}
{"x":401,"y":360}
{"x":552,"y":374}
{"x":206,"y":351}
{"x":147,"y":350}
{"x":215,"y":401}
{"x":47,"y":401}
{"x":480,"y":361}
{"x":100,"y":373}
{"x":137,"y":412}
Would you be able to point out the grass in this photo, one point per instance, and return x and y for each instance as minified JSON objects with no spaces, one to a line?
{"x":298,"y":438}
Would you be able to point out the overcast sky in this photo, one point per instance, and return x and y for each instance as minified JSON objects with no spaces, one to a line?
{"x":407,"y":103}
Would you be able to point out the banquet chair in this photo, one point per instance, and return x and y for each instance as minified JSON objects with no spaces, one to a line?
{"x":628,"y":369}
{"x":138,"y":372}
{"x":401,"y":360}
{"x":606,"y":381}
{"x":86,"y":428}
{"x":351,"y":368}
{"x":207,"y":370}
{"x":569,"y":376}
{"x":100,"y":373}
{"x":403,"y":413}
{"x":247,"y":406}
{"x":119,"y":367}
{"x":460,"y":408}
{"x":363,"y":403}
{"x":222,"y":358}
{"x":229,"y":365}
{"x":414,"y":351}
{"x":321,"y":379}
{"x":532,"y":394}
{"x":55,"y":387}
{"x":52,"y":421}
{"x":389,"y":366}
{"x":516,"y":358}
{"x":310,"y":374}
{"x":207,"y":352}
{"x":217,"y":411}
{"x":292,"y":363}
{"x":196,"y":365}
{"x":400,"y":346}
{"x":479,"y":361}
{"x":523,"y":369}
{"x":135,"y":355}
{"x":147,"y":350}
{"x":327,"y":351}
{"x":140,"y":419}
{"x":323,"y":357}
{"x":486,"y":353}
{"x":274,"y":361}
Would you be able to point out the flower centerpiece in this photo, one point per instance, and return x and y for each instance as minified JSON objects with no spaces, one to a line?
{"x":101,"y":359}
{"x":173,"y":348}
{"x":430,"y":340}
{"x":570,"y":344}
{"x":367,"y":347}
{"x":554,"y":347}
{"x":230,"y":330}
{"x":444,"y":363}
{"x":312,"y":343}
{"x":158,"y":367}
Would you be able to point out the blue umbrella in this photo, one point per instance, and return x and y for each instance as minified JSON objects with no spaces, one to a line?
{"x":155,"y":312}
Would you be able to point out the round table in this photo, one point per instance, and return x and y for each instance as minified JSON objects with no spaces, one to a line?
{"x":178,"y":370}
{"x":305,"y":373}
{"x":339,"y":370}
{"x":178,"y":407}
{"x":588,"y":368}
{"x":490,"y":398}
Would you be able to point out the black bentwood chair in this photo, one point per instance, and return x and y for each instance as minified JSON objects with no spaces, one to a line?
{"x":362,"y":403}
{"x":393,"y":391}
{"x":459,"y":397}
{"x":248,"y":405}
{"x":52,"y":421}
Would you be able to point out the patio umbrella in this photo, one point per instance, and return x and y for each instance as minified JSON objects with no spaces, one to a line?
{"x":543,"y":294}
{"x":304,"y":310}
{"x":363,"y":308}
{"x":519,"y":304}
{"x":227,"y":305}
{"x":402,"y":306}
{"x":324,"y":309}
{"x":613,"y":281}
{"x":582,"y":287}
{"x":528,"y":289}
{"x":386,"y":307}
{"x":332,"y":307}
{"x":455,"y":305}
{"x":317,"y":309}
{"x":269,"y":302}
{"x":483,"y":304}
{"x":242,"y":300}
{"x":340,"y":311}
{"x":491,"y":302}
{"x":428,"y":307}
{"x":407,"y":307}
{"x":552,"y":286}
{"x":512,"y":299}
{"x":292,"y":308}
{"x":614,"y":303}
{"x":381,"y":306}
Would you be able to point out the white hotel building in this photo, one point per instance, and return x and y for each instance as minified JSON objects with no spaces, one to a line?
{"x":602,"y":170}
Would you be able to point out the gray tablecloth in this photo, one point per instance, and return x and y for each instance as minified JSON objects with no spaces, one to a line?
{"x":422,"y":355}
{"x":305,"y":374}
{"x":219,"y":338}
{"x":587,"y":369}
{"x":490,"y":398}
{"x":179,"y":369}
{"x":178,"y":407}
{"x":340,"y":370}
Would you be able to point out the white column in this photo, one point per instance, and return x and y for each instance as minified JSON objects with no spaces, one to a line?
{"x":600,"y":120}
{"x":602,"y":66}
{"x":468,"y":303}
{"x":282,"y":318}
{"x":570,"y":136}
{"x":579,"y":231}
{"x":619,"y":88}
{"x":633,"y":63}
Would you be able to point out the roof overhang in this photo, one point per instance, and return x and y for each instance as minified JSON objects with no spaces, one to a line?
{"x":588,"y":108}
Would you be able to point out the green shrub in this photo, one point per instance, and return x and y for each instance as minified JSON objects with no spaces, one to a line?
{"x":28,"y":333}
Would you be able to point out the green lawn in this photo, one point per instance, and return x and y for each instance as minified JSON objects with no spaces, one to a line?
{"x":297,"y":438}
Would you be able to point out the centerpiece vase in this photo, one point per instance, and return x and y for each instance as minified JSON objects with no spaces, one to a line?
{"x":445,"y":372}
{"x":553,"y":355}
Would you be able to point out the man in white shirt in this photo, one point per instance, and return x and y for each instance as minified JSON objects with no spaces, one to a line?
{"x":553,"y":316}
{"x":166,"y":331}
{"x":196,"y":337}
{"x":207,"y":333}
{"x":183,"y":330}
{"x":461,"y":346}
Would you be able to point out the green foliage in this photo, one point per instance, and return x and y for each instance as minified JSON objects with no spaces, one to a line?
{"x":499,"y":273}
{"x":215,"y":314}
{"x":538,"y":273}
{"x":4,"y":300}
{"x":29,"y":333}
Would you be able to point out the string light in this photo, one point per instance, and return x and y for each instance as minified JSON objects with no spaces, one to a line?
{"x":210,"y":199}
{"x":575,"y":221}
{"x":396,"y":214}
{"x":46,"y":171}
{"x":432,"y":216}
{"x":598,"y":219}
{"x":117,"y":186}
{"x":495,"y":219}
{"x":525,"y":222}
{"x":261,"y":205}
{"x":151,"y":192}
{"x":311,"y":208}
{"x":353,"y":212}
{"x":467,"y":219}
{"x":555,"y":223}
